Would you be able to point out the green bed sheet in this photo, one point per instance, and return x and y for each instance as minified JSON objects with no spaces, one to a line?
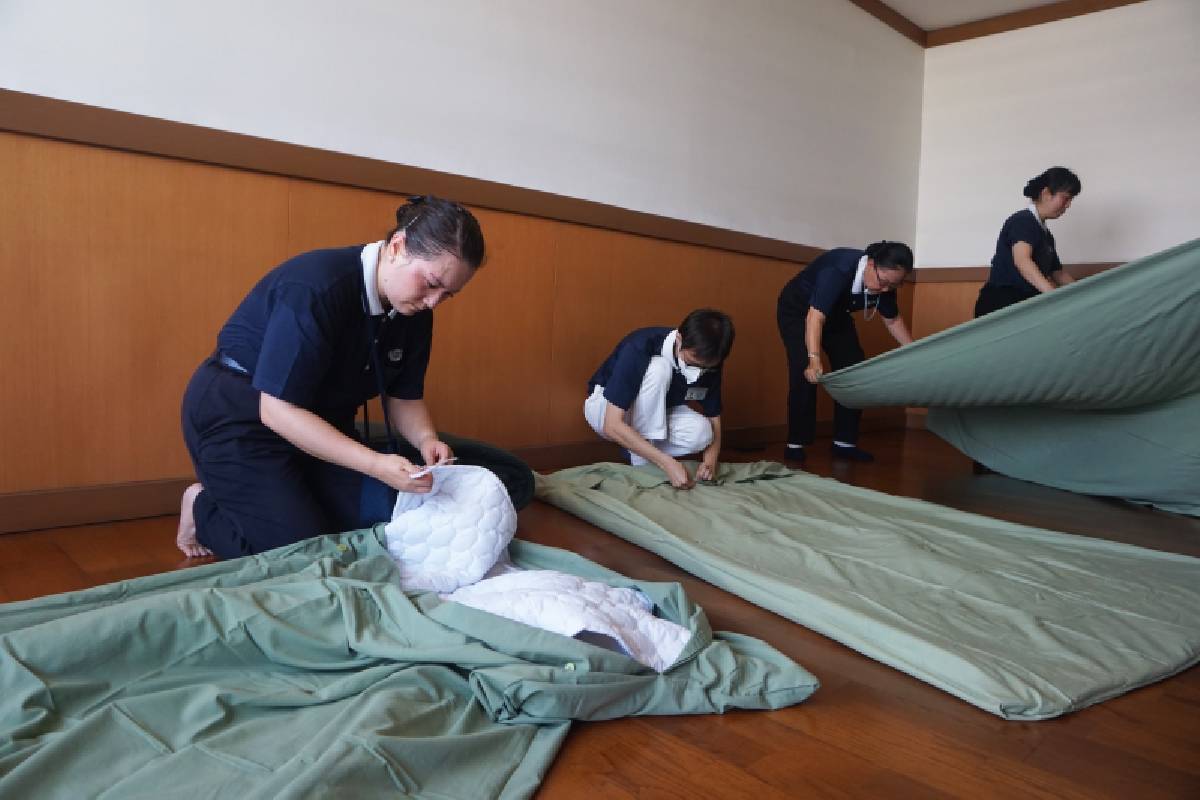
{"x":306,"y":672}
{"x":1022,"y":622}
{"x":1093,"y":388}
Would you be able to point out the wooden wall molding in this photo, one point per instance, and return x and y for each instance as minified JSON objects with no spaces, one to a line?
{"x":1065,"y":9}
{"x":893,"y":19}
{"x":119,"y":130}
{"x":1002,"y":23}
{"x":980,"y":274}
{"x":949,"y":274}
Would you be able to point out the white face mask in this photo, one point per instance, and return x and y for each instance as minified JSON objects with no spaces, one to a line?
{"x":690,"y":374}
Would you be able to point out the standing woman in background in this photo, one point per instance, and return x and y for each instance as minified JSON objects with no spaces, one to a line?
{"x":269,"y":418}
{"x":814,"y":315}
{"x":1026,"y":260}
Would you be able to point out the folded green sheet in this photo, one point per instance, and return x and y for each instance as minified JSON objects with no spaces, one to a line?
{"x":1093,"y":388}
{"x":306,"y":672}
{"x":1022,"y":622}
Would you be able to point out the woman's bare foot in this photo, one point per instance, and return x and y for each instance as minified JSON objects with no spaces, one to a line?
{"x":186,"y":538}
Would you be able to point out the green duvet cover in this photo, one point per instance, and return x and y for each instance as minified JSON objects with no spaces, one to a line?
{"x":1022,"y":622}
{"x":306,"y":672}
{"x":1094,"y":387}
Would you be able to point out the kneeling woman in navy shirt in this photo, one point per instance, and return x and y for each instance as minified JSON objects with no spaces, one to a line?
{"x":1026,"y":260}
{"x":814,"y":314}
{"x":269,"y":418}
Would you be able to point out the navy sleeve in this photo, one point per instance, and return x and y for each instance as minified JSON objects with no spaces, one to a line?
{"x":830,"y":285}
{"x":888,"y":306}
{"x":1024,"y":228}
{"x":296,"y":346}
{"x":625,"y":382}
{"x":409,"y":381}
{"x":711,"y":404}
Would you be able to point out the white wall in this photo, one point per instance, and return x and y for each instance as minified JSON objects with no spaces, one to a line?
{"x":793,"y":119}
{"x":1113,"y":95}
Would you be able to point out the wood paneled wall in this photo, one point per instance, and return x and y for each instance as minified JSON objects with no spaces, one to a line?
{"x":118,"y":270}
{"x":939,"y":305}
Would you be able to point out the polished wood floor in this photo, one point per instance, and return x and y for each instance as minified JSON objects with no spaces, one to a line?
{"x":869,"y":732}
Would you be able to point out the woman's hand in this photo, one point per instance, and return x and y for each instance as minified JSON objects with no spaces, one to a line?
{"x":707,"y":471}
{"x":396,"y":472}
{"x":678,"y":475}
{"x":813,"y":373}
{"x":435,"y":451}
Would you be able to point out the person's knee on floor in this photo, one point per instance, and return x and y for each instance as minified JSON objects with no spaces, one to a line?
{"x":313,"y":341}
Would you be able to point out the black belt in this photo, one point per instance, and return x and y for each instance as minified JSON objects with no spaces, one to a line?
{"x":229,"y":363}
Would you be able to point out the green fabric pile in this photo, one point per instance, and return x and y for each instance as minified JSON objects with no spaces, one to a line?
{"x":1093,"y":388}
{"x":307,"y":672}
{"x":1025,"y":623}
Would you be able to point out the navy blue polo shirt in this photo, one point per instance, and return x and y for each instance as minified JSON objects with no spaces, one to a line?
{"x":622,"y":372}
{"x":1022,"y":226}
{"x":826,"y":284}
{"x":303,"y":332}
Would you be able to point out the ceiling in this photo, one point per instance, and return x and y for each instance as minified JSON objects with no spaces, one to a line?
{"x":934,"y":14}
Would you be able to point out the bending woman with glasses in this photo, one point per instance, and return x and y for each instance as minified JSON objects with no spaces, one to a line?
{"x":269,"y":418}
{"x":814,"y":315}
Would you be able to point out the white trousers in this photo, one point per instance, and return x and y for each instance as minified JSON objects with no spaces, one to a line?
{"x":677,"y":433}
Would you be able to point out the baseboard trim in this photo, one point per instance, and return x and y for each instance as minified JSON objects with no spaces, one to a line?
{"x":86,"y":505}
{"x":115,"y":502}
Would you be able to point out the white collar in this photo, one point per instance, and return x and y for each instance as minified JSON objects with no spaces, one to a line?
{"x":370,"y":268}
{"x":668,"y":348}
{"x":690,"y":373}
{"x":1033,"y":210}
{"x":857,"y":286}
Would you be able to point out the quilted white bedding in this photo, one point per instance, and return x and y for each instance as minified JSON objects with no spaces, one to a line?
{"x":449,"y":539}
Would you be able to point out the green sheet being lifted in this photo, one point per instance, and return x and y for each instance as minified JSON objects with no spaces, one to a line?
{"x":1093,"y":388}
{"x":306,"y":672}
{"x":1025,"y":623}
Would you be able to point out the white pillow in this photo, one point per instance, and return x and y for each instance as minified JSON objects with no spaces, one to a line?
{"x":451,"y":536}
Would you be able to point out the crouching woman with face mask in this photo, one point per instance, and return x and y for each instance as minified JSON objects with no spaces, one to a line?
{"x":269,"y":417}
{"x":638,"y":397}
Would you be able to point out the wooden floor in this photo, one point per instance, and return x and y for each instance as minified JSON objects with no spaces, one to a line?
{"x":869,"y":731}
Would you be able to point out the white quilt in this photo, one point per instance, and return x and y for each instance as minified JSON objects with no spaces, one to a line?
{"x":450,"y":538}
{"x":572,"y":606}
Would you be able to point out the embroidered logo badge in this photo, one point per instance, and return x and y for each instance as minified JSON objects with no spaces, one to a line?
{"x":396,"y":355}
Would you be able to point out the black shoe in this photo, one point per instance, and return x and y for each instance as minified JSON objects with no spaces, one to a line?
{"x":794,"y":454}
{"x":851,"y":453}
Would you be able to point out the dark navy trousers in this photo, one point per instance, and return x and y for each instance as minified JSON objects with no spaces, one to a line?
{"x":994,"y":298}
{"x":260,"y":491}
{"x":839,"y":340}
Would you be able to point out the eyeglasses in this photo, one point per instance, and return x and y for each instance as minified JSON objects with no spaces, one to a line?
{"x":888,"y":283}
